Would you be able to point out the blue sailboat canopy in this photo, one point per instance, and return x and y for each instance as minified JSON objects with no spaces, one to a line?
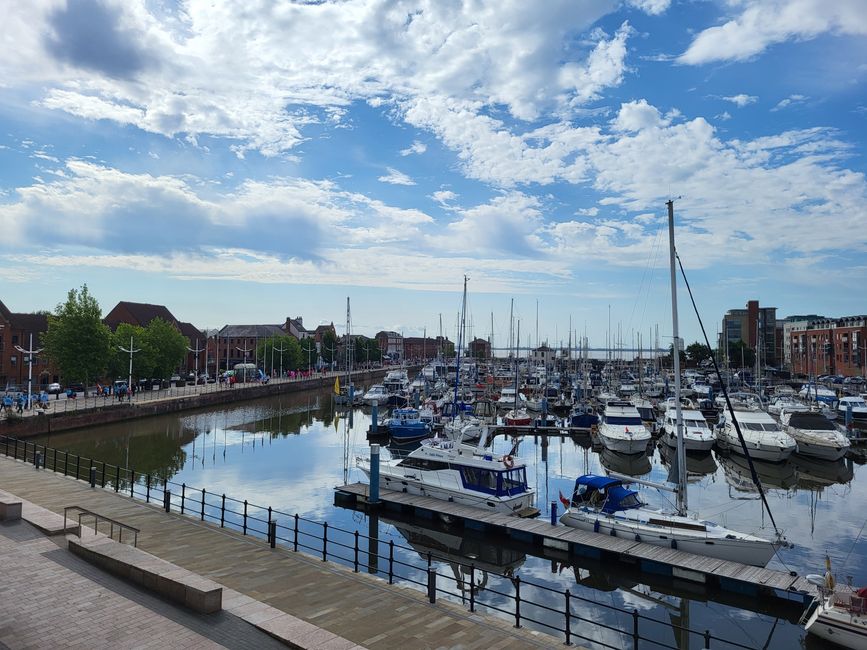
{"x":605,"y":493}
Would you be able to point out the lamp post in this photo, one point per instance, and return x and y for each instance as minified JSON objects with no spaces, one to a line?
{"x":281,"y":350}
{"x":246,"y":351}
{"x":131,"y":351}
{"x":197,"y":351}
{"x":29,"y":352}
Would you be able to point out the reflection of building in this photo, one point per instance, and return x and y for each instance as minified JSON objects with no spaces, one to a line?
{"x":830,"y":346}
{"x":756,"y":327}
{"x":15,"y":329}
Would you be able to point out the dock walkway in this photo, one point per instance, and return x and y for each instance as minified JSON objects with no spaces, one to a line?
{"x":730,"y":576}
{"x":357,"y":607}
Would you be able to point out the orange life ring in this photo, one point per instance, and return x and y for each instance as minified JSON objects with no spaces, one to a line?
{"x":509,"y":462}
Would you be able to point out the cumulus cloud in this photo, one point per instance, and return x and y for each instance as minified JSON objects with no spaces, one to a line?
{"x":443,"y":197}
{"x":415,"y":148}
{"x":741,"y":100}
{"x":762,"y":23}
{"x":790,"y":101}
{"x":395,"y":177}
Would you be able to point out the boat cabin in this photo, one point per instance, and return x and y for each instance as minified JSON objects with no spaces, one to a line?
{"x":603,"y":493}
{"x":497,"y":482}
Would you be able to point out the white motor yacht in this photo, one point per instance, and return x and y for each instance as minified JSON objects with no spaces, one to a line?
{"x":622,"y":430}
{"x":815,"y":434}
{"x":788,"y":403}
{"x":508,"y":399}
{"x":764,"y":438}
{"x":697,"y":435}
{"x":858,"y":405}
{"x":376,"y":395}
{"x":464,"y":474}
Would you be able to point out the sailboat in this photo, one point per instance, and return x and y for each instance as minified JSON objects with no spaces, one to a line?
{"x":348,"y":394}
{"x":517,"y":417}
{"x":604,"y":504}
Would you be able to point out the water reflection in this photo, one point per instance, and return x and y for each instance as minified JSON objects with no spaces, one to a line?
{"x":290,"y":452}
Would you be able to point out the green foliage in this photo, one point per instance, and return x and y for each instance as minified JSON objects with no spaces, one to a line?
{"x":366,"y":350}
{"x":118,"y":361}
{"x":283,"y":349}
{"x":163,"y":349}
{"x":329,"y":346}
{"x":741,"y":356}
{"x":698,"y":352}
{"x":308,"y":353}
{"x":77,"y":341}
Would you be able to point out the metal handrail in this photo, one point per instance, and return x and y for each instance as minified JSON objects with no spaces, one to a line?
{"x":96,"y":519}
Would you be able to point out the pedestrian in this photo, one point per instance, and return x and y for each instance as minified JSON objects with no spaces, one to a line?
{"x":20,"y":400}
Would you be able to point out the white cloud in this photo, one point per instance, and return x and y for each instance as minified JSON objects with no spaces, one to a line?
{"x":762,"y":23}
{"x":724,"y":116}
{"x":396,"y":177}
{"x":789,"y":101}
{"x":741,"y":100}
{"x":415,"y":148}
{"x":587,"y":212}
{"x":652,"y":7}
{"x":637,"y":116}
{"x":443,"y":197}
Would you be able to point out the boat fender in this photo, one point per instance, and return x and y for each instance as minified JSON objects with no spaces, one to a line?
{"x":509,"y":462}
{"x":596,"y":526}
{"x":829,"y":580}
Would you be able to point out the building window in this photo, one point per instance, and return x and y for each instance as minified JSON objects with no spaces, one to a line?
{"x":14,"y":339}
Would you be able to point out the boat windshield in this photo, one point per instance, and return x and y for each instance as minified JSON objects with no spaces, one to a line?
{"x":760,"y":426}
{"x":624,"y":420}
{"x":695,"y":424}
{"x":811,"y":422}
{"x":499,"y":483}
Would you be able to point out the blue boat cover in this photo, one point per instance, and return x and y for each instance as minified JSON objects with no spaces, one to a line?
{"x":617,"y":497}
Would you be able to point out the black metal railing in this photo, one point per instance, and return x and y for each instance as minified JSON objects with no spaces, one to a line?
{"x":523,"y":601}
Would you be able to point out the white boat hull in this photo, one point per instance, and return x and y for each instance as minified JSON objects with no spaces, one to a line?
{"x":627,"y":446}
{"x":690,"y":443}
{"x":758,"y":450}
{"x":822,"y":452}
{"x":752,"y":552}
{"x":840,"y":627}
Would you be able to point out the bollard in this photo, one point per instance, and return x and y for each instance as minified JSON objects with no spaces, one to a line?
{"x":553,"y":513}
{"x":432,"y":585}
{"x":92,"y":476}
{"x":167,"y":500}
{"x":37,"y":460}
{"x":373,"y":497}
{"x":272,"y":533}
{"x":416,"y":398}
{"x":374,"y":418}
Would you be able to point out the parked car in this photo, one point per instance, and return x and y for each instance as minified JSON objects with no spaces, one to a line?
{"x":54,"y":389}
{"x":76,"y":387}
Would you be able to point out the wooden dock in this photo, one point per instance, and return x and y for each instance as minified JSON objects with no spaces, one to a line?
{"x":723,"y":574}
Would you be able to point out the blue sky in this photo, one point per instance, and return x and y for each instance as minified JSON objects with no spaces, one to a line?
{"x":243,"y":162}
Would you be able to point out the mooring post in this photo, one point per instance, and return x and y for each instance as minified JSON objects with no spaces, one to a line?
{"x":373,"y":498}
{"x":849,"y":417}
{"x":374,"y":418}
{"x":92,"y":476}
{"x":351,"y":393}
{"x":167,"y":500}
{"x":415,"y":398}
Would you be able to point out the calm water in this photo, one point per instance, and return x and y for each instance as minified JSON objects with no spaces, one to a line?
{"x":290,"y":452}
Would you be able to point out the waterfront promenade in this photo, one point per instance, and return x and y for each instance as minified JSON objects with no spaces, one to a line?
{"x":357,"y":607}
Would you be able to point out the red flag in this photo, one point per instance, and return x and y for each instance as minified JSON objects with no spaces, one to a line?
{"x":564,"y":500}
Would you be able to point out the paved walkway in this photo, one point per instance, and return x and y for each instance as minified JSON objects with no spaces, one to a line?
{"x":357,"y":607}
{"x":50,"y":598}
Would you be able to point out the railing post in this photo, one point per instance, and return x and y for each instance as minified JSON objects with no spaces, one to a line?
{"x":92,"y":476}
{"x":148,"y":488}
{"x":568,"y":618}
{"x":15,"y":450}
{"x":518,"y":601}
{"x":431,"y":585}
{"x":245,"y":516}
{"x":635,"y":629}
{"x":167,"y":500}
{"x":66,"y":463}
{"x":223,"y":512}
{"x":103,"y":474}
{"x":132,"y":482}
{"x":472,"y":587}
{"x":355,"y":560}
{"x":324,"y":541}
{"x":36,"y":458}
{"x":707,"y":639}
{"x":77,"y":467}
{"x":391,"y":561}
{"x":203,"y":504}
{"x":295,"y":537}
{"x":272,"y":533}
{"x":54,"y":466}
{"x":117,"y":478}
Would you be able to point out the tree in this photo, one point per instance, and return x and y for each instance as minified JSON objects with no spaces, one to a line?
{"x":670,"y":358}
{"x":284,"y":349}
{"x":366,"y":350}
{"x":698,"y":352}
{"x":163,"y":347}
{"x":77,"y":341}
{"x":329,"y":346}
{"x":740,"y":355}
{"x":118,"y":361}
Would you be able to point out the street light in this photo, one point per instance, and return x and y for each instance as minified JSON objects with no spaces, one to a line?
{"x":131,"y":352}
{"x":197,"y":352}
{"x":246,"y":351}
{"x":281,"y":350}
{"x":30,"y":352}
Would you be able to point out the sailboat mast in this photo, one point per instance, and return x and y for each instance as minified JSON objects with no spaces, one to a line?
{"x":348,"y":345}
{"x":517,"y":360}
{"x":675,"y":353}
{"x":460,"y":342}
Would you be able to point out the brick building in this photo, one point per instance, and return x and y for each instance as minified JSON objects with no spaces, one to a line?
{"x":425,"y":348}
{"x":238,"y":344}
{"x":757,"y":327}
{"x":141,"y":314}
{"x":480,"y":349}
{"x":390,"y":344}
{"x":15,"y":330}
{"x":830,"y":346}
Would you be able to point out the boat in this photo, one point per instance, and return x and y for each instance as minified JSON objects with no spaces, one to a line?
{"x":622,"y":430}
{"x":787,"y":402}
{"x":815,"y":434}
{"x":697,"y":435}
{"x":459,"y":473}
{"x":406,"y":425}
{"x":763,"y":437}
{"x":509,"y":397}
{"x":812,"y":392}
{"x":583,"y":416}
{"x":858,"y":406}
{"x":517,"y":418}
{"x":737,"y":473}
{"x":603,"y":504}
{"x":697,"y":465}
{"x":839,"y":613}
{"x":376,"y":395}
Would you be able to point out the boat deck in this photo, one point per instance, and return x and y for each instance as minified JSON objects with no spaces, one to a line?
{"x":724,"y":574}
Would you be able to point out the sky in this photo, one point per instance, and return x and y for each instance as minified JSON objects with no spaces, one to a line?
{"x":241,"y":162}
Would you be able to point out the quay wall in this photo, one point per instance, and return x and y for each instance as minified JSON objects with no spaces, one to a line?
{"x":41,"y":424}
